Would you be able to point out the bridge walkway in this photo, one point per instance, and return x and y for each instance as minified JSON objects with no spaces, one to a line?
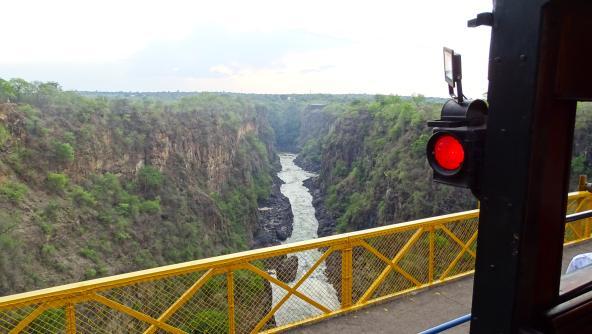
{"x":417,"y":311}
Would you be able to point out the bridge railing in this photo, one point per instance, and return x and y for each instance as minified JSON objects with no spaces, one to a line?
{"x":269,"y":289}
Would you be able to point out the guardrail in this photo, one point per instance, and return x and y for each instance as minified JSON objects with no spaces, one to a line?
{"x":265,"y":290}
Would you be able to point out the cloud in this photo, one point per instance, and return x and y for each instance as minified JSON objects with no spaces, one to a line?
{"x":317,"y":69}
{"x":378,"y":46}
{"x":206,"y":53}
{"x":222,"y":69}
{"x":211,"y":52}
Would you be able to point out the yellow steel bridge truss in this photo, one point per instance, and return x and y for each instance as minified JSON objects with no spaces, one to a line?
{"x":232,"y":293}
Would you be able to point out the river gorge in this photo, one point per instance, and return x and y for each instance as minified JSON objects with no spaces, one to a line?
{"x":305,"y":227}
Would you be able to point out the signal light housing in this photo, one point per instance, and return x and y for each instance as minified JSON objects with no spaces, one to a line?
{"x":447,"y":153}
{"x":455,"y":150}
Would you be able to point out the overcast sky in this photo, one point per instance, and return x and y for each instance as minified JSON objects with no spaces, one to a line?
{"x":318,"y":46}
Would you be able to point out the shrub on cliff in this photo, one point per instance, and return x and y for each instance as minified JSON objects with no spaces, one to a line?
{"x":149,"y":180}
{"x":82,"y":197}
{"x":4,"y":135}
{"x":106,"y":188}
{"x":63,"y":152}
{"x":13,"y":191}
{"x":150,"y":207}
{"x":57,"y":182}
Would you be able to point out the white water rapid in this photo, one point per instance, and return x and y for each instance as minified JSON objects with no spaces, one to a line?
{"x":316,"y":286}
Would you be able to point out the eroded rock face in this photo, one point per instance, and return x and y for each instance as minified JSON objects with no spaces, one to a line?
{"x":201,"y":156}
{"x":285,"y":267}
{"x":345,"y":147}
{"x":315,"y":124}
{"x":201,"y":151}
{"x":275,"y":218}
{"x":283,"y":232}
{"x":273,"y":263}
{"x":326,"y":220}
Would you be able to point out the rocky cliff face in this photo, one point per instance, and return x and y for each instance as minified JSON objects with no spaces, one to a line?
{"x":372,"y":168}
{"x":316,"y":122}
{"x":93,"y":187}
{"x":275,"y":218}
{"x":197,"y":146}
{"x":344,"y":146}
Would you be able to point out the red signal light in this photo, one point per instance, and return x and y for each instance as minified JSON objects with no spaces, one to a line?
{"x":448,"y":152}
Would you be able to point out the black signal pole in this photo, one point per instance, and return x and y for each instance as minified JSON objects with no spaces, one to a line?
{"x":539,"y":59}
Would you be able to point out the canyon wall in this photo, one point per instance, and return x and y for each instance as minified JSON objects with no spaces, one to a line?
{"x":92,"y":186}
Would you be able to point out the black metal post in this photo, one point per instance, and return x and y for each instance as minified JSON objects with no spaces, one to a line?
{"x":526,"y":172}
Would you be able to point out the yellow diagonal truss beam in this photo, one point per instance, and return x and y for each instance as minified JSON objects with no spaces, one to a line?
{"x":394,"y":265}
{"x":574,"y":230}
{"x":456,"y":239}
{"x":182,"y":300}
{"x":286,"y":287}
{"x":290,"y":293}
{"x":581,"y":204}
{"x":459,"y":255}
{"x":32,"y":305}
{"x":414,"y":238}
{"x":29,"y":318}
{"x":135,"y":314}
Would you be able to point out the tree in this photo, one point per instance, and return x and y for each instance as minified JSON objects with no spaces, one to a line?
{"x":149,"y":180}
{"x":47,"y":91}
{"x":7,"y":93}
{"x":63,"y":152}
{"x":57,"y":182}
{"x":23,"y":90}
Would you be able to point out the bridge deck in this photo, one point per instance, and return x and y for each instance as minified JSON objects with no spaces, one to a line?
{"x":416,"y":312}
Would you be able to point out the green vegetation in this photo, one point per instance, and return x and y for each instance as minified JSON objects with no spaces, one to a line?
{"x":13,"y":191}
{"x":57,"y":182}
{"x":63,"y":152}
{"x":127,"y":181}
{"x":4,"y":135}
{"x":208,"y":322}
{"x":149,"y":179}
{"x":374,"y":170}
{"x":150,"y":207}
{"x":82,"y":197}
{"x":124,"y":182}
{"x":52,"y":320}
{"x":581,"y":163}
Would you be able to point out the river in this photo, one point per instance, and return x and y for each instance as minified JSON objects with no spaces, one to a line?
{"x":316,"y":286}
